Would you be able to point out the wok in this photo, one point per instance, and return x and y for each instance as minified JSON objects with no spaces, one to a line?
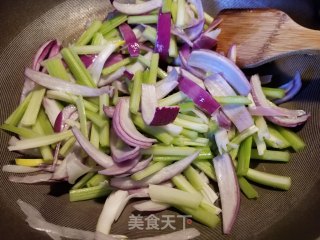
{"x":294,"y":214}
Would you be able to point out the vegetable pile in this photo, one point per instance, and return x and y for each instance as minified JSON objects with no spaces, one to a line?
{"x":141,"y":106}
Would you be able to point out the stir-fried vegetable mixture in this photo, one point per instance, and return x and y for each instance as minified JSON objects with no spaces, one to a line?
{"x":142,"y":106}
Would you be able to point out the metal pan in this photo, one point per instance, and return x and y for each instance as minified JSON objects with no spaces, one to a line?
{"x":294,"y":214}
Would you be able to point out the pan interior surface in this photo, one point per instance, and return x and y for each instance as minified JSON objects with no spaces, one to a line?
{"x":274,"y":215}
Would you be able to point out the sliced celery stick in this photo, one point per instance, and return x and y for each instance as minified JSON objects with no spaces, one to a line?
{"x":88,"y":34}
{"x":56,"y":68}
{"x":65,"y":97}
{"x":190,"y":118}
{"x":77,"y":68}
{"x":181,"y":9}
{"x":111,"y":34}
{"x":45,"y":151}
{"x":186,"y":106}
{"x":96,"y":119}
{"x":82,"y":116}
{"x":88,"y":49}
{"x":244,"y":156}
{"x":182,"y":183}
{"x":273,"y":93}
{"x":83,"y":181}
{"x":166,"y":6}
{"x":160,"y":73}
{"x":244,"y":134}
{"x":30,"y":115}
{"x":151,"y":169}
{"x":247,"y":189}
{"x":96,"y":180}
{"x":16,"y":116}
{"x":175,"y":151}
{"x":135,"y":97}
{"x":116,"y":66}
{"x":239,"y":100}
{"x":157,"y":132}
{"x":111,"y":24}
{"x":174,"y":196}
{"x":271,"y":155}
{"x":295,"y":141}
{"x":45,"y":123}
{"x":67,"y":146}
{"x":153,"y":68}
{"x":276,"y":140}
{"x":21,"y":131}
{"x":189,"y":133}
{"x":145,"y":77}
{"x":105,"y":130}
{"x":94,"y":136}
{"x":89,"y":193}
{"x":172,"y":99}
{"x":199,"y":127}
{"x":183,"y":141}
{"x":143,"y":19}
{"x":93,"y":100}
{"x":30,"y":162}
{"x":206,"y":167}
{"x":174,"y":9}
{"x":97,"y":39}
{"x":207,"y":16}
{"x":40,"y":141}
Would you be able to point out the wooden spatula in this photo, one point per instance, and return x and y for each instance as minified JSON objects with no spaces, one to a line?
{"x":262,"y":34}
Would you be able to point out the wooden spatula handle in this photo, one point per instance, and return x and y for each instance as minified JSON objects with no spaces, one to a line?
{"x":262,"y":34}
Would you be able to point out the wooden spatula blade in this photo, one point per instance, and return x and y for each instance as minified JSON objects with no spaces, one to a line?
{"x":263,"y":34}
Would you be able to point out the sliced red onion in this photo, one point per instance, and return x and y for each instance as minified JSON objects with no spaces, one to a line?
{"x":163,"y":34}
{"x":223,"y":120}
{"x":111,"y":207}
{"x":36,"y":221}
{"x":51,"y":108}
{"x":141,"y":165}
{"x":286,"y":87}
{"x":96,"y":67}
{"x":112,"y":59}
{"x":232,"y":53}
{"x":121,"y":168}
{"x":112,"y":77}
{"x":199,"y":96}
{"x":122,"y":86}
{"x":137,"y":9}
{"x":229,"y":190}
{"x":98,"y":156}
{"x":88,"y":59}
{"x":260,"y":100}
{"x":182,"y":35}
{"x":67,"y":112}
{"x":194,"y":31}
{"x":215,"y":63}
{"x":239,"y":115}
{"x":151,"y":114}
{"x":297,"y":84}
{"x":125,"y":128}
{"x":120,"y":151}
{"x":130,"y":39}
{"x":60,"y":172}
{"x":75,"y":168}
{"x":64,"y":86}
{"x":19,"y":169}
{"x":150,"y":206}
{"x":166,"y":85}
{"x":184,"y":56}
{"x":109,"y":111}
{"x":140,"y":192}
{"x":163,"y":175}
{"x":205,"y":42}
{"x":215,"y":23}
{"x":31,"y":179}
{"x":192,"y":77}
{"x":188,"y":233}
{"x":267,"y":111}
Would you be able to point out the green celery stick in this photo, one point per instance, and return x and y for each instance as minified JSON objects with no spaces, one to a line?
{"x":135,"y":97}
{"x":160,"y":73}
{"x":100,"y":121}
{"x":182,"y":183}
{"x":67,"y":146}
{"x":105,"y":130}
{"x":83,"y":180}
{"x":94,"y":136}
{"x":111,"y":34}
{"x":111,"y":24}
{"x":30,"y":115}
{"x":276,"y":140}
{"x":190,"y":118}
{"x":94,"y":100}
{"x":143,"y":19}
{"x":116,"y":66}
{"x":40,"y":141}
{"x":45,"y":151}
{"x":56,"y":68}
{"x":198,"y":127}
{"x":86,"y":37}
{"x":89,"y":193}
{"x":273,"y":93}
{"x":77,"y":68}
{"x":271,"y":155}
{"x":153,"y":68}
{"x":174,"y":10}
{"x":238,"y":100}
{"x":295,"y":141}
{"x":145,"y":77}
{"x":172,"y":99}
{"x":183,"y":141}
{"x":65,"y":97}
{"x":187,"y":106}
{"x":206,"y":167}
{"x":21,"y":131}
{"x":207,"y":17}
{"x":166,"y":6}
{"x":157,"y":150}
{"x":244,"y":157}
{"x":16,"y":116}
{"x":247,"y":188}
{"x":151,"y":169}
{"x":96,"y":180}
{"x":82,"y":116}
{"x":97,"y":39}
{"x":189,"y":134}
{"x":45,"y":123}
